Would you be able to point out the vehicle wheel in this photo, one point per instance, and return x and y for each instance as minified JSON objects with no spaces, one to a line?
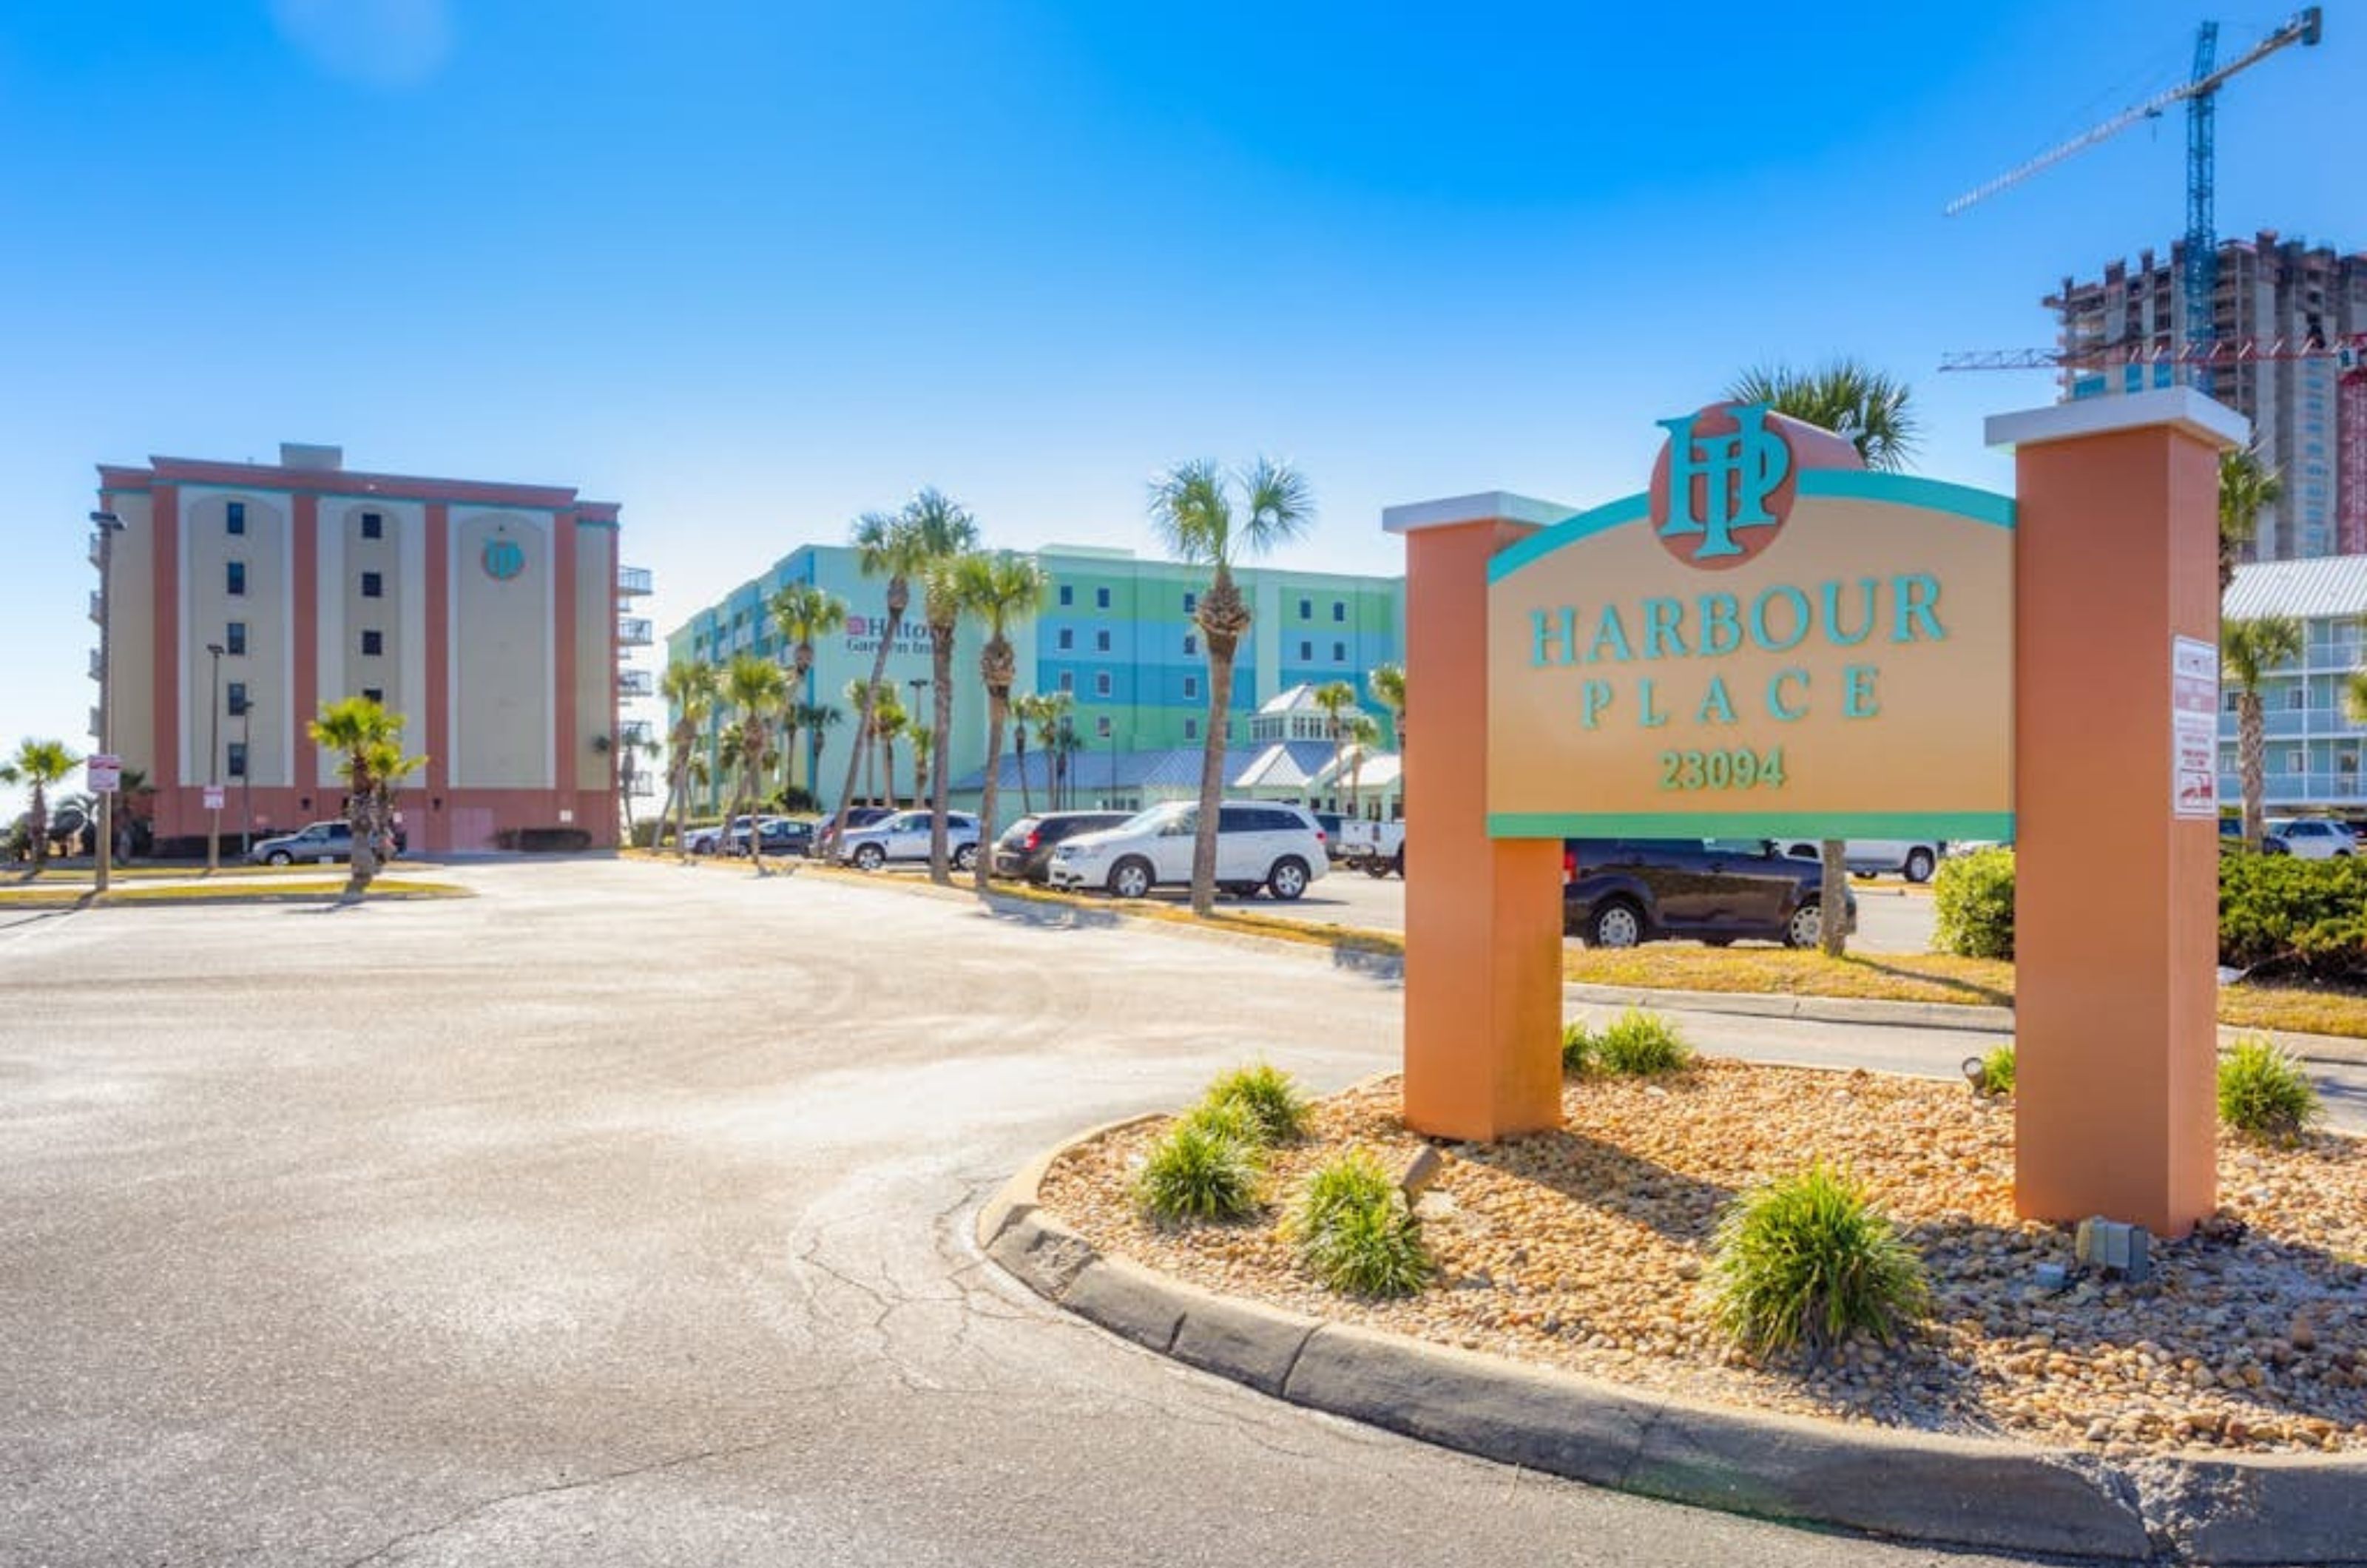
{"x":1918,"y":865}
{"x":1375,"y":867}
{"x":280,"y":857}
{"x":1807,"y":926}
{"x":1616,"y":924}
{"x":1398,"y":864}
{"x":1130,"y":878}
{"x":1288,"y":881}
{"x":871,"y":857}
{"x":966,"y":858}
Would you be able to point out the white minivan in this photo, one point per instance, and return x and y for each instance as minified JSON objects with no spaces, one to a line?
{"x":1275,"y":847}
{"x":1910,"y":858}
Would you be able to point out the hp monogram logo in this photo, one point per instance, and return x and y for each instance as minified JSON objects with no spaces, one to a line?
{"x":1719,"y":494}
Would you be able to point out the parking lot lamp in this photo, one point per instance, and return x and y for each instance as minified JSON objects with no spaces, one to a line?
{"x":246,"y":778}
{"x":213,"y":768}
{"x":108,"y":526}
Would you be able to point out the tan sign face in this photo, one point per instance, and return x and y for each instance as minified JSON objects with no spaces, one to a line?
{"x":1764,"y":649}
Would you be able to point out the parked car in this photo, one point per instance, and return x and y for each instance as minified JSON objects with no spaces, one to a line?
{"x":710,"y":839}
{"x":1619,"y":892}
{"x":2308,"y":838}
{"x":857,"y":817}
{"x":1333,"y":824}
{"x":1915,"y":859}
{"x":317,"y":841}
{"x":904,"y":836}
{"x":1026,"y":847}
{"x":1375,"y":848}
{"x":777,"y":835}
{"x":1275,"y":847}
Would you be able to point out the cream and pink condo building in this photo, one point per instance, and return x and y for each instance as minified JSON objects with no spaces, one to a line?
{"x":245,"y":595}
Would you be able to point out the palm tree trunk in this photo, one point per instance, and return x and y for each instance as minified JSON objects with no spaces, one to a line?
{"x":1832,"y":915}
{"x":997,"y":708}
{"x":1212,"y":775}
{"x":863,"y":725}
{"x":941,"y":696}
{"x":1019,"y":745}
{"x":40,"y":814}
{"x":2252,"y":761}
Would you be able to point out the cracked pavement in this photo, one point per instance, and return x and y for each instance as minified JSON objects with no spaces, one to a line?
{"x":622,"y":1215}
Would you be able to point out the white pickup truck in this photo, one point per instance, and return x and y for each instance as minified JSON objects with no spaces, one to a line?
{"x":1377,"y":848}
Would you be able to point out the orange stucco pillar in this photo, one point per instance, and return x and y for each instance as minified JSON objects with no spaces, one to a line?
{"x":1483,"y":916}
{"x":2116,"y":896}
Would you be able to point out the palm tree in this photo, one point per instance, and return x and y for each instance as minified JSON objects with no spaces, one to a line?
{"x":885,"y":547}
{"x":2247,"y":487}
{"x":1051,"y":715}
{"x":37,"y":766}
{"x":859,"y":692}
{"x":801,"y":612}
{"x":1336,"y":698}
{"x":945,"y":533}
{"x":1869,"y":409}
{"x":925,"y":746}
{"x":888,"y":721}
{"x":371,"y":739}
{"x":1023,"y":708}
{"x":1192,"y":509}
{"x":2248,"y":652}
{"x":1388,"y":682}
{"x":631,"y":748}
{"x":809,"y":719}
{"x":1363,"y":734}
{"x":1000,"y":590}
{"x":691,"y":687}
{"x":757,"y":689}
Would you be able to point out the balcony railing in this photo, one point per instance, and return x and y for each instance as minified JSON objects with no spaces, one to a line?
{"x":2286,"y":789}
{"x":636,"y":683}
{"x":637,"y":731}
{"x":96,"y":602}
{"x":97,"y":666}
{"x":634,"y":631}
{"x":93,"y":549}
{"x":634,"y":580}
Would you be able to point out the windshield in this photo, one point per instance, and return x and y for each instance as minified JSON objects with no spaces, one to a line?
{"x":1156,"y":817}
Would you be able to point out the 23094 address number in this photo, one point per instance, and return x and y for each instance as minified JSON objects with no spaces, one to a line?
{"x":1740,"y":768}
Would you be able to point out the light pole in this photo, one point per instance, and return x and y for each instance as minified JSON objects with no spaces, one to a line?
{"x":213,"y":768}
{"x":246,"y":778}
{"x":108,"y":526}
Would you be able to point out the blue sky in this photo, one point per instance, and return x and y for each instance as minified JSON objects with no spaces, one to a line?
{"x":753,"y":267}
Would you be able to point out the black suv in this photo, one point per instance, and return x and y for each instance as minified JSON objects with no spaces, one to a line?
{"x":1618,"y":892}
{"x":1026,"y":847}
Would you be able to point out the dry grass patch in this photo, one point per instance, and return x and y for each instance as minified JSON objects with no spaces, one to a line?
{"x":1588,"y":1248}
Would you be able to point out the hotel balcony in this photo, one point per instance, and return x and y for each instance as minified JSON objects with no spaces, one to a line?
{"x":636,"y":732}
{"x":632,"y":580}
{"x":93,"y":549}
{"x":634,"y":631}
{"x":636,"y":683}
{"x":97,"y":666}
{"x":96,"y":602}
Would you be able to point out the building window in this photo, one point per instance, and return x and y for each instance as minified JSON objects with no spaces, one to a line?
{"x":1069,"y":680}
{"x":234,"y":517}
{"x":2297,"y":760}
{"x":1100,"y":642}
{"x":373,"y":585}
{"x":1067,"y":637}
{"x":1100,"y":684}
{"x":236,"y":698}
{"x":1102,"y":726}
{"x":1339,"y":610}
{"x":373,"y":643}
{"x":1339,"y":653}
{"x":2232,"y":701}
{"x":1068,"y":594}
{"x":1101,"y":598}
{"x":373,"y":526}
{"x":1190,"y":729}
{"x":1191,"y":644}
{"x":1191,"y":603}
{"x":234,"y":579}
{"x":236,"y":763}
{"x":374,"y":694}
{"x":234,"y":638}
{"x":2297,"y":698}
{"x":1306,"y":652}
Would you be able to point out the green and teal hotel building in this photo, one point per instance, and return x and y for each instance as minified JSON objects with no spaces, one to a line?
{"x":1115,"y":632}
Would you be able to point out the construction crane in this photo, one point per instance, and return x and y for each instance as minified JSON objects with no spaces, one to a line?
{"x":2199,"y":93}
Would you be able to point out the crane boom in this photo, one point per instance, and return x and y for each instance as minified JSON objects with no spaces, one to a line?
{"x":2303,"y":27}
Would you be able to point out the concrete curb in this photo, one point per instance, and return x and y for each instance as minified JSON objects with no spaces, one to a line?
{"x":1955,"y":1492}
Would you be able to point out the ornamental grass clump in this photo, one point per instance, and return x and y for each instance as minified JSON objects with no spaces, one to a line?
{"x":1996,"y":1075}
{"x":1269,"y":1095}
{"x":1577,"y":1048}
{"x":1202,"y":1169}
{"x":2264,"y":1092}
{"x":1355,"y":1231}
{"x":1639,"y":1043}
{"x":1806,"y":1261}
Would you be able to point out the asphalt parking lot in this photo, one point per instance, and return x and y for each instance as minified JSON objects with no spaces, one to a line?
{"x":620,"y":1216}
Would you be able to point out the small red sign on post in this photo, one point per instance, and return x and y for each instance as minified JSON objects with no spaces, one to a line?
{"x":213,"y":798}
{"x":103,"y":774}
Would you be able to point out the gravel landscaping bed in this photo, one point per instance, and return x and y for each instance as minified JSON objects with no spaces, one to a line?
{"x":1585,"y":1248}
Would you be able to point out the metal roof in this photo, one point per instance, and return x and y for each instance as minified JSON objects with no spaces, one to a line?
{"x":2327,"y":588}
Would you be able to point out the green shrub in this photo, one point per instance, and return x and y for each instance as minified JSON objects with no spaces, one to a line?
{"x":1640,"y":1044}
{"x":2263,"y":1091}
{"x":1577,"y":1048}
{"x":1973,"y":898}
{"x":1997,"y":1071}
{"x":1227,"y":1119}
{"x":2283,"y":912}
{"x":1355,"y":1231}
{"x":1198,"y":1172}
{"x":1806,"y":1259}
{"x":1269,"y":1095}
